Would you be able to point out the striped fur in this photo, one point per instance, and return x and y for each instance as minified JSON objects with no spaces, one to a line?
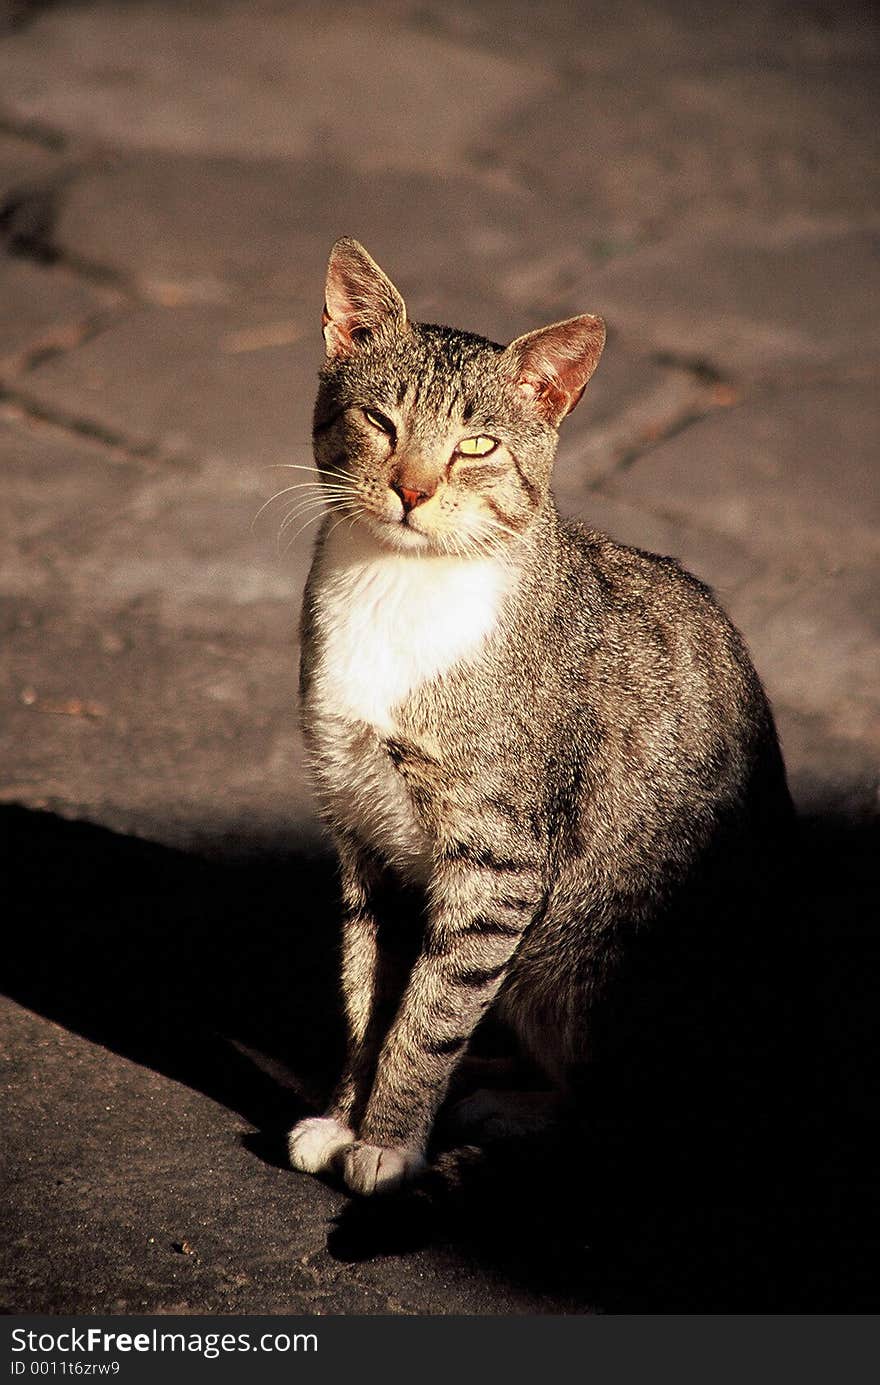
{"x":534,"y":747}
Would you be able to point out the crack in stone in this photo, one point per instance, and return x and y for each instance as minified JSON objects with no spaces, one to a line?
{"x":677,"y":423}
{"x":29,"y":411}
{"x":33,"y":132}
{"x":59,"y":340}
{"x":720,"y":392}
{"x":28,"y":218}
{"x":641,"y":438}
{"x":700,"y":367}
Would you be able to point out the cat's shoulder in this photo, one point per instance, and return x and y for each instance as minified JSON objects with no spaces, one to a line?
{"x":625,"y":570}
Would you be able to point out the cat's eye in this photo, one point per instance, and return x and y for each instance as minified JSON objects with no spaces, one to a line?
{"x":476,"y":447}
{"x":379,"y":421}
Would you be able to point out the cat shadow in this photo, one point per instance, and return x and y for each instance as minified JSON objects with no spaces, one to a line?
{"x":218,"y":973}
{"x":221,"y":974}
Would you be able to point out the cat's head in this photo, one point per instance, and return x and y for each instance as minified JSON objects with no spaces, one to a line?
{"x":438,"y":440}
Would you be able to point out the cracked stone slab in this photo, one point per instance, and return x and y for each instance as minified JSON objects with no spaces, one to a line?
{"x":158,"y":1201}
{"x":150,"y":638}
{"x":136,"y":1197}
{"x":45,"y":309}
{"x":670,"y":35}
{"x":816,"y":638}
{"x":114,"y":532}
{"x":308,"y":79}
{"x":751,"y":302}
{"x":232,"y":381}
{"x":631,"y":401}
{"x":201,"y":229}
{"x":828,"y":774}
{"x":150,"y":728}
{"x":24,"y":164}
{"x":52,"y":481}
{"x":682,"y":144}
{"x":791,"y":474}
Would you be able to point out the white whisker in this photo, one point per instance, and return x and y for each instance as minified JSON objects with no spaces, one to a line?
{"x":320,"y":470}
{"x":322,"y":488}
{"x":349,"y":519}
{"x":347,"y":506}
{"x":302,"y":530}
{"x":302,"y":508}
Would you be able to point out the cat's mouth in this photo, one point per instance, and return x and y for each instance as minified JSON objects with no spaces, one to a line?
{"x":403,"y":533}
{"x":399,"y":532}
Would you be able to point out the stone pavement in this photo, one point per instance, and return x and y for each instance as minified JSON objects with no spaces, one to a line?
{"x":171,"y":179}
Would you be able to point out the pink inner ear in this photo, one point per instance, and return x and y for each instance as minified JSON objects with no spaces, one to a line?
{"x":359,"y":298}
{"x":555,"y":363}
{"x":347,"y":299}
{"x":336,"y":337}
{"x":552,"y":399}
{"x":342,"y":317}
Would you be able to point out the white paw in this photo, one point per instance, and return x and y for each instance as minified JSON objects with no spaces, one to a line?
{"x":313,"y":1144}
{"x":369,"y":1169}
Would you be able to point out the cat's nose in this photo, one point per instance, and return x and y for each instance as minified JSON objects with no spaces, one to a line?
{"x":410,"y":498}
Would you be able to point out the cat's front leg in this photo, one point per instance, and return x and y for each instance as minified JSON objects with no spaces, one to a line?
{"x":485,"y":903}
{"x":315,"y":1144}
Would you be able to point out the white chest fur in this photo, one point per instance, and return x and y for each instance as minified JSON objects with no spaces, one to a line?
{"x":385,"y":624}
{"x":388,"y":622}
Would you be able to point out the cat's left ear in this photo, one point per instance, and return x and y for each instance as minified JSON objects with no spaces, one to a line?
{"x":359,"y":299}
{"x":552,"y":366}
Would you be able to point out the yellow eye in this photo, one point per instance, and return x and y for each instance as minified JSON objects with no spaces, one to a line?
{"x":477,"y":447}
{"x":379,"y":421}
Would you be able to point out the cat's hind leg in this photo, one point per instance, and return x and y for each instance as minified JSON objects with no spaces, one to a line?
{"x":495,"y":1114}
{"x":473,"y":1072}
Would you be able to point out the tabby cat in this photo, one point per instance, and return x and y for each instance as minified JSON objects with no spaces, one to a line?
{"x":541,"y":754}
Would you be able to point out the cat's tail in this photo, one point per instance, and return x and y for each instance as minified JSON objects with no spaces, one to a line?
{"x":454,"y":1173}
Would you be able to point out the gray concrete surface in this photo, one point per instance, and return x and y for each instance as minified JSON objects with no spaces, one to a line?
{"x":171,"y":178}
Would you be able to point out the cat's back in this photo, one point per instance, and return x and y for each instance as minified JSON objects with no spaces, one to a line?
{"x":680,"y":721}
{"x":643,"y":618}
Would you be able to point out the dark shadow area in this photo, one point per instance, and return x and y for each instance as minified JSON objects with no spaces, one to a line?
{"x":660,"y":1206}
{"x":166,"y":957}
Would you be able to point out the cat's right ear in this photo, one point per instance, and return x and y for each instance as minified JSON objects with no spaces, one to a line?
{"x":359,"y":300}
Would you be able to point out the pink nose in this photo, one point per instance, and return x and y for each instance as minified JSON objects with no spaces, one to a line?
{"x":411,"y":498}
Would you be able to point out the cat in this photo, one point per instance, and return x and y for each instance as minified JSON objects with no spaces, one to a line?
{"x":541,"y":754}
